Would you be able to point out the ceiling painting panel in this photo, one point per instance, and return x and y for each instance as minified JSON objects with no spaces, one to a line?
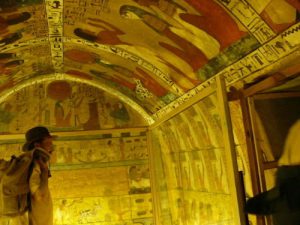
{"x":19,"y":24}
{"x":153,"y":52}
{"x":23,"y":63}
{"x":184,"y":38}
{"x":178,"y":83}
{"x":115,"y":71}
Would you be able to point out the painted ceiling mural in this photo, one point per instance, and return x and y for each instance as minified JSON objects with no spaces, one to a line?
{"x":148,"y":52}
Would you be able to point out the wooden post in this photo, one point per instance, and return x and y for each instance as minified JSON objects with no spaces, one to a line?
{"x":252,"y":156}
{"x":154,"y":191}
{"x":231,"y":159}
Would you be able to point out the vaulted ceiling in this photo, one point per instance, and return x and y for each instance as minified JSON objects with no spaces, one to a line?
{"x":146,"y":52}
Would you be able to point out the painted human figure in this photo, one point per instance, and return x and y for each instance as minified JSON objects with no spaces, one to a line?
{"x":186,"y":51}
{"x":61,"y":93}
{"x":6,"y":116}
{"x":173,"y":11}
{"x":10,"y":38}
{"x":107,"y":35}
{"x":9,"y":61}
{"x":122,"y":76}
{"x":7,"y":37}
{"x":139,"y":180}
{"x":129,"y":77}
{"x":198,"y":169}
{"x":211,"y":15}
{"x":76,"y":101}
{"x":12,"y":20}
{"x":8,"y":68}
{"x":120,"y":113}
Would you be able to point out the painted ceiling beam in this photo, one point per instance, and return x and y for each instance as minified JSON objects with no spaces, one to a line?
{"x":257,"y":63}
{"x":54,"y":11}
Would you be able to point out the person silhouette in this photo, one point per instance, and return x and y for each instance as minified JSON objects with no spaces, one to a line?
{"x":283,"y":201}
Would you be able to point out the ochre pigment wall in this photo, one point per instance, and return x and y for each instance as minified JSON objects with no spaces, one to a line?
{"x":98,"y":177}
{"x":104,"y":178}
{"x":191,"y":168}
{"x":98,"y":180}
{"x":103,"y":181}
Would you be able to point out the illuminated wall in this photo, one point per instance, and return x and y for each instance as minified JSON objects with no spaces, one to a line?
{"x":98,"y":177}
{"x":191,"y":175}
{"x":240,"y":144}
{"x":102,"y":181}
{"x":104,"y":177}
{"x":99,"y":180}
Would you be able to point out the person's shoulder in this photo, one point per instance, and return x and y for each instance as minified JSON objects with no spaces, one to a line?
{"x":297,"y":123}
{"x":295,"y":127}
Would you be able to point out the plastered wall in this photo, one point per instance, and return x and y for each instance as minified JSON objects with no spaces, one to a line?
{"x":101,"y":177}
{"x":98,"y":180}
{"x":191,"y":168}
{"x":109,"y":178}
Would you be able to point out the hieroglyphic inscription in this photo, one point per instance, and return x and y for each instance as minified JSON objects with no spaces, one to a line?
{"x":184,"y":98}
{"x":148,"y":66}
{"x":279,"y":47}
{"x":268,"y":54}
{"x":38,"y":25}
{"x":78,"y":10}
{"x":132,"y":57}
{"x":24,"y":44}
{"x":55,"y":22}
{"x":250,"y":19}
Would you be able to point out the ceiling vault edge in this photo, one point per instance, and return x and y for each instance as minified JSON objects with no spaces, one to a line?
{"x":61,"y":76}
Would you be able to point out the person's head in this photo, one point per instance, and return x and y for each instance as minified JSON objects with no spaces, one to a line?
{"x":38,"y":137}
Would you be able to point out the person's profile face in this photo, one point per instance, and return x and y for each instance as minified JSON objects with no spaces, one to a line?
{"x":47,"y":144}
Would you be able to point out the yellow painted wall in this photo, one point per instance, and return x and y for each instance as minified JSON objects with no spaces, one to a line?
{"x":191,"y":175}
{"x":99,"y":180}
{"x":105,"y":178}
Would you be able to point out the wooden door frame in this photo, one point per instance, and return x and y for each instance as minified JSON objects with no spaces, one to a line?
{"x":246,"y":98}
